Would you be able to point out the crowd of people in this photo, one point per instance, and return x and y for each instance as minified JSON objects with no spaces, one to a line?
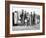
{"x":26,"y":18}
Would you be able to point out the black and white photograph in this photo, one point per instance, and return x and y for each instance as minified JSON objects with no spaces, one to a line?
{"x":26,"y":18}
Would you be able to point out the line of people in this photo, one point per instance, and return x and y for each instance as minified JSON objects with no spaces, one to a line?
{"x":27,"y":18}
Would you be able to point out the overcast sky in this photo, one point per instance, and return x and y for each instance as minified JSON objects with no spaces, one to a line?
{"x":37,"y":10}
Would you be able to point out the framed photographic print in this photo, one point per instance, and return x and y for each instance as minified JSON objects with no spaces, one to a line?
{"x":24,"y":18}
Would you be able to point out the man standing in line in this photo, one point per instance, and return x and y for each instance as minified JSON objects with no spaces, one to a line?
{"x":34,"y":18}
